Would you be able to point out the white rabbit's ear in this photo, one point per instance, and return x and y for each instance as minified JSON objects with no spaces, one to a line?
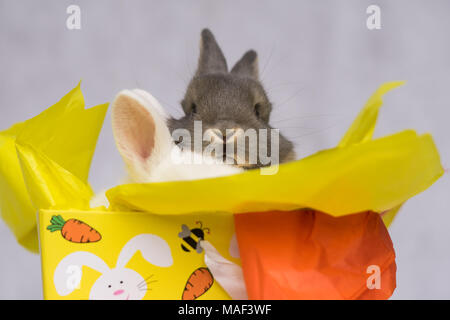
{"x":233,"y":249}
{"x":140,"y":129}
{"x":228,"y":274}
{"x":68,"y":273}
{"x":153,"y":248}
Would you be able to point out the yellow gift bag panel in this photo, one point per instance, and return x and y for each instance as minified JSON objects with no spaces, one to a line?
{"x":131,"y":255}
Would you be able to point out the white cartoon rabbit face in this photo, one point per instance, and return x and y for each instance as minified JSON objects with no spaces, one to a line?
{"x":119,"y":284}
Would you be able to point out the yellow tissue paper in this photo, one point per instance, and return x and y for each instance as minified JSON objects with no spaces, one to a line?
{"x":363,"y":127}
{"x":359,"y":175}
{"x":50,"y":185}
{"x":66,"y":133}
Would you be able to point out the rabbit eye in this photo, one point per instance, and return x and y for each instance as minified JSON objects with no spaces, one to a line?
{"x":121,"y":282}
{"x":193,"y":108}
{"x":257,"y":109}
{"x":109,"y":286}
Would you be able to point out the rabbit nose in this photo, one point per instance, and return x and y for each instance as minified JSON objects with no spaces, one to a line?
{"x":116,"y":293}
{"x":214,"y":135}
{"x":231,"y":135}
{"x":217,"y":135}
{"x":223,"y":137}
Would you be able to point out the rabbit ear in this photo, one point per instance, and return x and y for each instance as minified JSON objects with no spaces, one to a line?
{"x":141,"y":132}
{"x":211,"y":58}
{"x":153,"y":248}
{"x":247,"y":66}
{"x":68,"y":273}
{"x":228,"y":274}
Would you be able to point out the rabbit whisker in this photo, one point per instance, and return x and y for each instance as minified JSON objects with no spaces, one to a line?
{"x":152,"y":281}
{"x":145,"y":280}
{"x":283,"y":103}
{"x":146,"y":284}
{"x":308,"y":116}
{"x":312,"y":133}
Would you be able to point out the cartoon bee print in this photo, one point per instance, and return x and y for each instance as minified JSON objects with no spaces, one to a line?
{"x":192,"y":237}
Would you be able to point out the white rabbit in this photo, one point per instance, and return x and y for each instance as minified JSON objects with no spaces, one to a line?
{"x":119,"y":283}
{"x":146,"y":145}
{"x":225,"y":272}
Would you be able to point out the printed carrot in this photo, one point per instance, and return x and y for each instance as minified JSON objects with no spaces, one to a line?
{"x":198,"y":283}
{"x":74,"y":230}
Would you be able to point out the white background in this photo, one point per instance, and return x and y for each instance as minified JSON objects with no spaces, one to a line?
{"x":318,"y":61}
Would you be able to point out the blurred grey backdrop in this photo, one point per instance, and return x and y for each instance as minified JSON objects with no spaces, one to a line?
{"x":318,"y":61}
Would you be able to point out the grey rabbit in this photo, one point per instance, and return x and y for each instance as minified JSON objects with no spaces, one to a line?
{"x":232,"y":100}
{"x":221,"y":100}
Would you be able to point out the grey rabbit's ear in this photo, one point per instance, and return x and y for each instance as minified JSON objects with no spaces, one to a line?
{"x":211,"y":58}
{"x":247,"y":66}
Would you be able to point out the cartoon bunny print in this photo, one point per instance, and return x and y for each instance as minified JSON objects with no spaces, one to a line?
{"x":118,"y":283}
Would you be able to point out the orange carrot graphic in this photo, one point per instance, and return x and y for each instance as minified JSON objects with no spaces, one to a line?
{"x":198,"y":283}
{"x":74,"y":230}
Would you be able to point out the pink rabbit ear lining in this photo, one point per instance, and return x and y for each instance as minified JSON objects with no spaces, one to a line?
{"x":134,"y":128}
